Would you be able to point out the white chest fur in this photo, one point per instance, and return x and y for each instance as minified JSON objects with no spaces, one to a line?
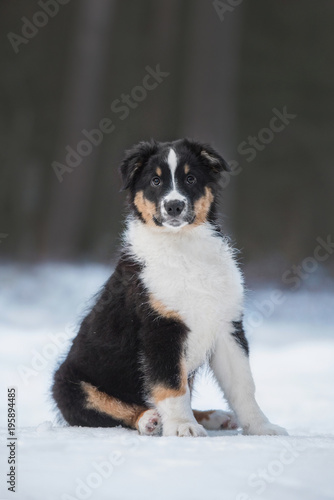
{"x":192,"y":272}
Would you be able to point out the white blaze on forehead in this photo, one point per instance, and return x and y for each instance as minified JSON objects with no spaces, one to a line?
{"x":172,"y":162}
{"x":174,"y":194}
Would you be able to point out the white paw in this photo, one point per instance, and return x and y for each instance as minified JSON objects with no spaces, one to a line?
{"x":265,"y":429}
{"x":215,"y":420}
{"x":149,"y":423}
{"x":183,"y":429}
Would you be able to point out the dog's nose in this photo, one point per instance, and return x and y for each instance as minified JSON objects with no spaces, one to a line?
{"x":174,"y":208}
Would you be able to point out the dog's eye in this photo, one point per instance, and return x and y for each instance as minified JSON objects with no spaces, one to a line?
{"x":190,"y":179}
{"x":156,"y":181}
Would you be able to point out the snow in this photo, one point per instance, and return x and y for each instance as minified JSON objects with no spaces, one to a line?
{"x":292,"y":351}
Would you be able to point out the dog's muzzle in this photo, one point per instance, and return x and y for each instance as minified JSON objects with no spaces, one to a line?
{"x":174,"y":213}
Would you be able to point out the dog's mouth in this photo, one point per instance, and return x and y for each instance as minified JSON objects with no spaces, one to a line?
{"x":175,"y":222}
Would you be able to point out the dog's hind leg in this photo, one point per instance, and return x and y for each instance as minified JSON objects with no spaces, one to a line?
{"x":84,"y":405}
{"x":215,"y":420}
{"x":146,"y":421}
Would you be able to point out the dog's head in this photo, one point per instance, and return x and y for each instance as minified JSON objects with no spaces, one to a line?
{"x":172,"y":185}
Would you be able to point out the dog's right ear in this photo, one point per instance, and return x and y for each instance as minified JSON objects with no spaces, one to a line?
{"x":134,"y":160}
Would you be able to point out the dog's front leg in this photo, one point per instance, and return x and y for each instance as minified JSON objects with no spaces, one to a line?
{"x":176,"y":413}
{"x":230,"y":365}
{"x":166,"y":378}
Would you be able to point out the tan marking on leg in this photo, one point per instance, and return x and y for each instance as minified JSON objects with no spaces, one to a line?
{"x":202,"y":207}
{"x":158,"y":171}
{"x":202,"y":415}
{"x":161,"y":392}
{"x":103,"y":403}
{"x":145,"y":207}
{"x":161,"y":309}
{"x":186,"y":169}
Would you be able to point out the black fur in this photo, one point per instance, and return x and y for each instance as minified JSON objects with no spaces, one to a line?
{"x":134,"y":160}
{"x":239,"y":335}
{"x":118,"y":351}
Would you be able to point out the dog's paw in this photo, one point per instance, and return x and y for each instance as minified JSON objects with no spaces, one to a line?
{"x":220,"y":419}
{"x":183,"y":429}
{"x":265,"y":429}
{"x":149,"y":423}
{"x":215,"y":420}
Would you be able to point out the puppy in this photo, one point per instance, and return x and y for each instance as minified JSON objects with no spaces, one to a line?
{"x":174,"y":302}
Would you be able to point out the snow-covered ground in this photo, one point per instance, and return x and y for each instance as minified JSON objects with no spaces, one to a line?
{"x":292,"y":353}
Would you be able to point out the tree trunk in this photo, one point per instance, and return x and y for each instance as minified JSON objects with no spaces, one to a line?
{"x":70,"y":199}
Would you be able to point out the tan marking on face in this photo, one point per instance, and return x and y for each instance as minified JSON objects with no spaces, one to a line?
{"x":186,"y":169}
{"x":145,"y":207}
{"x":160,"y":392}
{"x":103,"y":403}
{"x":202,"y":415}
{"x":161,"y":309}
{"x":158,"y":171}
{"x":202,"y":207}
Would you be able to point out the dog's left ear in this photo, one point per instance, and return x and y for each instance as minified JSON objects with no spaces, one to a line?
{"x":209,"y":155}
{"x":134,"y":160}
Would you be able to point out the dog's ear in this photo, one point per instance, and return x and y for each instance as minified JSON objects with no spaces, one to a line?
{"x":209,"y":155}
{"x":134,"y":160}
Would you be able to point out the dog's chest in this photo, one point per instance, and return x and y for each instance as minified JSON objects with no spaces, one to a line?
{"x":195,"y":275}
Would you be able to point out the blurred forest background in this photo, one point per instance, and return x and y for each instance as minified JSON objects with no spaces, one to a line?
{"x":232,"y":67}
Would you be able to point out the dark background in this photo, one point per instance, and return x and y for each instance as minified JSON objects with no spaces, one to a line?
{"x":227,"y":70}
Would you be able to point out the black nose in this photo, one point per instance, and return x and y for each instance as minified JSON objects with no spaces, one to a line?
{"x":174,"y":208}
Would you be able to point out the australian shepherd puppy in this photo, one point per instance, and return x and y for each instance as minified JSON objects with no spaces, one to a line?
{"x":174,"y":302}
